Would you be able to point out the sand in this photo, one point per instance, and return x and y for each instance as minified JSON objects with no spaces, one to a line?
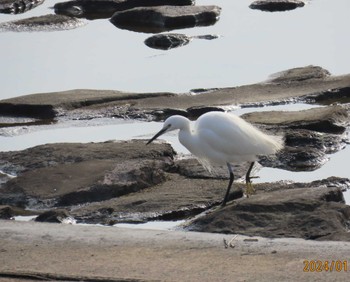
{"x":97,"y":253}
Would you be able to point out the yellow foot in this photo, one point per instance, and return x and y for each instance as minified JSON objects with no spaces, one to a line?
{"x":249,"y":190}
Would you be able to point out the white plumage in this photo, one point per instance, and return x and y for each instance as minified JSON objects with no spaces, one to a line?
{"x":222,"y":138}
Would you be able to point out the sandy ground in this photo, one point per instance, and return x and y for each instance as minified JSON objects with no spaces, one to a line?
{"x":31,"y":250}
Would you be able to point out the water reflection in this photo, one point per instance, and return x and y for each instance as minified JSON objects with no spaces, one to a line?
{"x":165,"y":18}
{"x":104,"y":9}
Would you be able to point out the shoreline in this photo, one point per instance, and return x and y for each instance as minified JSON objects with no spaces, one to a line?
{"x":56,"y":251}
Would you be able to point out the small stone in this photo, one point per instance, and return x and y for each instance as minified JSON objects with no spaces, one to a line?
{"x":276,"y":5}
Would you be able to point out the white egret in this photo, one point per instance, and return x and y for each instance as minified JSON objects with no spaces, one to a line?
{"x":222,"y":138}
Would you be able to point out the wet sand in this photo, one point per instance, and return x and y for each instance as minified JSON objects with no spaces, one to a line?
{"x":31,"y":250}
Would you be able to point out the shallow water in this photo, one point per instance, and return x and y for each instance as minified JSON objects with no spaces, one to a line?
{"x":252,"y":45}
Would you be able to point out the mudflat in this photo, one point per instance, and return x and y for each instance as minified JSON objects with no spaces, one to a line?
{"x":47,"y":251}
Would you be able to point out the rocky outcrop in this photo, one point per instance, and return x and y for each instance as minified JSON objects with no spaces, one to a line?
{"x":70,"y":174}
{"x":165,"y":18}
{"x":104,"y":9}
{"x":309,"y":84}
{"x":312,"y":211}
{"x":276,"y":5}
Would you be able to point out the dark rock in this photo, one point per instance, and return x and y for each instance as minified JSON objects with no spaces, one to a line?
{"x":333,"y":119}
{"x":276,"y":5}
{"x":165,"y":18}
{"x":45,"y":112}
{"x":311,"y":213}
{"x":163,"y":114}
{"x":8,"y":212}
{"x":197,"y":91}
{"x":69,"y":174}
{"x":49,"y":105}
{"x":191,"y":168}
{"x":54,"y":216}
{"x":4,"y":178}
{"x":42,"y":23}
{"x":309,"y":136}
{"x":173,"y":40}
{"x":196,"y":112}
{"x":52,"y":155}
{"x":167,"y":41}
{"x":177,"y":198}
{"x":18,"y":6}
{"x":331,"y":96}
{"x":5,"y":212}
{"x":304,"y":158}
{"x":103,"y":9}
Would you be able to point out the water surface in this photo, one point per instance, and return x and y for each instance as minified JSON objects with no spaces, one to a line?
{"x":253,"y":45}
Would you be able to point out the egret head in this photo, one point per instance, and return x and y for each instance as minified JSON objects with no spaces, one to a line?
{"x":171,"y":123}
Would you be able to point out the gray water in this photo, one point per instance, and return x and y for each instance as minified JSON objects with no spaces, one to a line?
{"x":252,"y":45}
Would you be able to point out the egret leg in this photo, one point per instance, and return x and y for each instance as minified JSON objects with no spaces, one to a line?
{"x":229,"y":185}
{"x":250,"y":189}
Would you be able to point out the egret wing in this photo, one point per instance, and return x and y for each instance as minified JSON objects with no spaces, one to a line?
{"x":232,"y":136}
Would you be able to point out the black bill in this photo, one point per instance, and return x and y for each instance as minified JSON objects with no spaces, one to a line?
{"x":157,"y":135}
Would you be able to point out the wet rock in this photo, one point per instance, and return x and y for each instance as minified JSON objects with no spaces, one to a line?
{"x":276,"y":5}
{"x":304,"y":158}
{"x":69,"y":174}
{"x":167,"y":41}
{"x":331,"y":96}
{"x":55,"y":216}
{"x":103,"y":9}
{"x":165,"y":18}
{"x":317,"y":212}
{"x":333,"y":119}
{"x":192,"y":168}
{"x":127,"y":182}
{"x":309,"y":135}
{"x":18,"y":6}
{"x":52,"y":155}
{"x":42,"y":23}
{"x":177,"y":198}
